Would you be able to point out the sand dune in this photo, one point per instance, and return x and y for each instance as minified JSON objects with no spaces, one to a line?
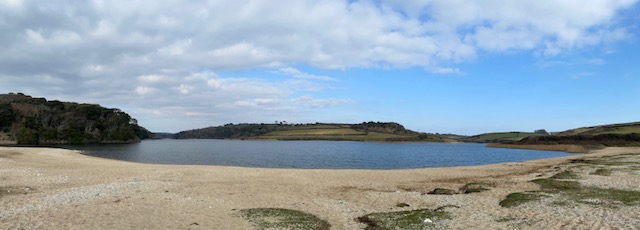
{"x":45,"y":188}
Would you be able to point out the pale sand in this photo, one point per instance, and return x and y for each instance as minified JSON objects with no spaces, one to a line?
{"x":62,"y":189}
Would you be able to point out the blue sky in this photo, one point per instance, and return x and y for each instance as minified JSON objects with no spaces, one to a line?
{"x":435,"y":66}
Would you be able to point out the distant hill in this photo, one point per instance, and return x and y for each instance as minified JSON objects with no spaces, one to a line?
{"x":500,"y":137}
{"x":28,"y":120}
{"x":580,"y":139}
{"x":624,"y":128}
{"x":367,"y":131}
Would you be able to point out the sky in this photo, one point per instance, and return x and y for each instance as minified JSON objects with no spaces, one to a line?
{"x":438,"y":66}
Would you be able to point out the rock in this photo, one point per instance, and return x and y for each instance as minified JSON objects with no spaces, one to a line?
{"x":442,"y":191}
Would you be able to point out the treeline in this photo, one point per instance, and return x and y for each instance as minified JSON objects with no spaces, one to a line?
{"x":382,"y":127}
{"x":242,"y":131}
{"x":28,"y":120}
{"x":229,"y":131}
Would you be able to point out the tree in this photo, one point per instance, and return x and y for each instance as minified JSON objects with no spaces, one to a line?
{"x":7,"y":115}
{"x":541,"y":131}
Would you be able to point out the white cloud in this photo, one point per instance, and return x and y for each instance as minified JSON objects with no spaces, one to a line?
{"x":298,"y":74}
{"x":308,"y":101}
{"x":167,"y":53}
{"x":142,"y":90}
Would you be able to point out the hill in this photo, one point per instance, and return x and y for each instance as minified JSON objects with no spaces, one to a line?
{"x":28,"y":120}
{"x":367,"y":131}
{"x":500,"y":137}
{"x":624,"y":128}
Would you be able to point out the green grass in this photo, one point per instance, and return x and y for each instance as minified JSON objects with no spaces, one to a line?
{"x":602,"y":172}
{"x":344,"y":134}
{"x":619,"y":160}
{"x":566,"y":175}
{"x":553,"y":185}
{"x":574,"y":191}
{"x":503,"y":136}
{"x":519,"y":198}
{"x":413,"y":219}
{"x":278,"y":218}
{"x":316,"y":132}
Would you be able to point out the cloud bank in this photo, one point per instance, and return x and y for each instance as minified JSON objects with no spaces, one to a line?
{"x":164,"y":57}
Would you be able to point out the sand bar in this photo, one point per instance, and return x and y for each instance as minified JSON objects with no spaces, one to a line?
{"x":62,"y":189}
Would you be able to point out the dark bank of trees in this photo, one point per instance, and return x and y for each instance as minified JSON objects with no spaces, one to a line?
{"x":242,"y":131}
{"x":28,"y":120}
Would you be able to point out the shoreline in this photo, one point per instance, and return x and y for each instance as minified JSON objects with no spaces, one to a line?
{"x":56,"y":184}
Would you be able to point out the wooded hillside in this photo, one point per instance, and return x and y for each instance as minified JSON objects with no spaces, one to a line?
{"x":28,"y":120}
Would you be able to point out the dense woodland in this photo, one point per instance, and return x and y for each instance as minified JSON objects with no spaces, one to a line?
{"x":28,"y":120}
{"x":240,"y":131}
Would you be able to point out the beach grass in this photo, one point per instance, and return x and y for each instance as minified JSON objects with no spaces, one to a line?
{"x":519,"y":198}
{"x":279,"y":218}
{"x":414,"y":219}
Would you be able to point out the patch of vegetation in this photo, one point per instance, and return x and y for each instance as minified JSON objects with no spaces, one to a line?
{"x":414,"y":219}
{"x":574,"y":191}
{"x":32,"y":121}
{"x":519,"y":198}
{"x":621,"y":140}
{"x":607,"y":194}
{"x":602,"y":172}
{"x":474,"y":188}
{"x":566,"y":175}
{"x":402,"y":205}
{"x":552,"y":185}
{"x":609,"y":160}
{"x":500,"y":137}
{"x":278,"y":218}
{"x":624,"y":128}
{"x":367,"y":131}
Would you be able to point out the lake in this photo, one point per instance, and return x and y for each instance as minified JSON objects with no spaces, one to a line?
{"x":311,"y":154}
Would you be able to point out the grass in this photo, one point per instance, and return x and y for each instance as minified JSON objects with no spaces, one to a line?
{"x":278,"y":218}
{"x":602,"y":172}
{"x":567,"y":191}
{"x":414,"y":219}
{"x":316,"y":132}
{"x":625,"y":128}
{"x":553,"y":185}
{"x":502,"y":136}
{"x":342,"y":134}
{"x":562,"y":148}
{"x":566,"y":175}
{"x":518,"y":198}
{"x":619,"y":160}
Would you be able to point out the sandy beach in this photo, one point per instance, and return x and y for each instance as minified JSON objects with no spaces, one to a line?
{"x":46,"y":188}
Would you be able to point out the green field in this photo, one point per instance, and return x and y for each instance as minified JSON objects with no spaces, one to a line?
{"x":499,"y":137}
{"x":341,"y":132}
{"x":624,"y":128}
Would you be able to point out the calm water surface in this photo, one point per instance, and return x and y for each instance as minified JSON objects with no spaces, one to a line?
{"x":312,"y":154}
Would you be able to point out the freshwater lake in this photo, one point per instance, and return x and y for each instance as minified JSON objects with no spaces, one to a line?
{"x":311,"y":154}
